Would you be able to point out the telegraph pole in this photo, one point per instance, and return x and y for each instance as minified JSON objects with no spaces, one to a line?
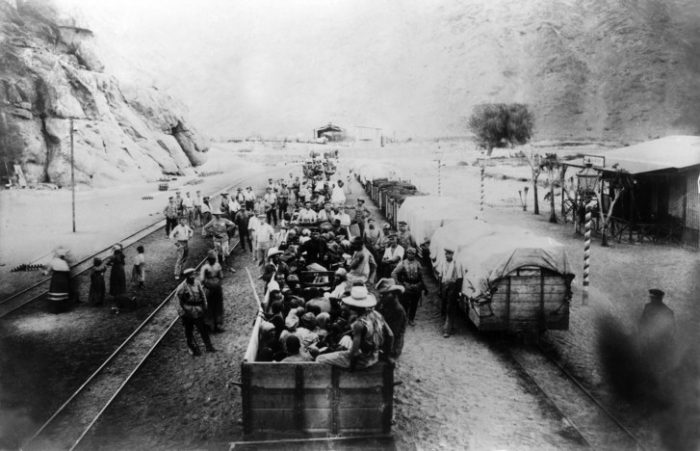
{"x":72,"y":173}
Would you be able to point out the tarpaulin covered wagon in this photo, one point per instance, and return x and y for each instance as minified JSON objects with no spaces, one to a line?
{"x":425,"y":214}
{"x":514,"y":281}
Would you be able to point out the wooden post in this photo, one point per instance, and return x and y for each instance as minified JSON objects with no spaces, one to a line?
{"x":482,"y":174}
{"x":72,"y":173}
{"x":439,"y":178}
{"x":586,"y":254}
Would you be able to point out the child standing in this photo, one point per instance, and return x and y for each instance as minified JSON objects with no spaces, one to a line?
{"x":138,"y":273}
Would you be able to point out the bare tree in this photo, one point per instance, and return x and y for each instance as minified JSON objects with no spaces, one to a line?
{"x":617,"y":185}
{"x":552,"y":165}
{"x":535,"y":161}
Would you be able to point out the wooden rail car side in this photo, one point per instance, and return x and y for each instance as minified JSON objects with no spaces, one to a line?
{"x":291,"y":400}
{"x":527,"y":299}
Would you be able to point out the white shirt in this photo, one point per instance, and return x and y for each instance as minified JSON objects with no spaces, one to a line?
{"x":249,"y":196}
{"x":139,"y":259}
{"x":390,"y":254}
{"x":187,"y":202}
{"x":325,"y":216}
{"x":270,"y":198}
{"x":344,"y":219}
{"x":233,"y":205}
{"x":450,"y":271}
{"x":253,"y":224}
{"x":307,"y":215}
{"x":265,"y":233}
{"x":337,"y":195}
{"x":181,"y":233}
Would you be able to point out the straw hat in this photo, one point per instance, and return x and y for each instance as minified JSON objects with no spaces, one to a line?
{"x":387,"y":285}
{"x":273,"y":251}
{"x":360,"y":297}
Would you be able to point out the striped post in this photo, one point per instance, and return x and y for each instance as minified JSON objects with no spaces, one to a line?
{"x":483,"y":169}
{"x":586,"y":254}
{"x":439,"y":177}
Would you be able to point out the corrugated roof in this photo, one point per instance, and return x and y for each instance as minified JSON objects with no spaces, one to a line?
{"x":671,"y":152}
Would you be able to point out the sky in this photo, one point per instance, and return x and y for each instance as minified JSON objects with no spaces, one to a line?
{"x":270,"y":67}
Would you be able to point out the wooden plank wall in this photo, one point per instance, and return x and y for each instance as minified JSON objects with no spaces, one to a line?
{"x":520,"y":302}
{"x":316,"y":399}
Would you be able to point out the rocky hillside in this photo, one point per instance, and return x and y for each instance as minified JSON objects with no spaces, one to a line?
{"x":50,"y":74}
{"x":590,"y":69}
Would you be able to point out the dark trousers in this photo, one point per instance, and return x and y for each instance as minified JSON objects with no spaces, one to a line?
{"x":450,"y":304}
{"x":271,"y":216}
{"x":409,"y":301}
{"x":249,"y":204}
{"x":170,"y":224}
{"x":190,"y":323}
{"x":283,"y":208}
{"x":244,"y":236}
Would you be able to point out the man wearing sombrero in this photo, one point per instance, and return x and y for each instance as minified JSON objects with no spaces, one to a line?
{"x":369,"y":333}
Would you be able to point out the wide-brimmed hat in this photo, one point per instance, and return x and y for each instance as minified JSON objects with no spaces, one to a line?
{"x":217,"y":212}
{"x":188,"y":271}
{"x":360,"y":297}
{"x":411,"y":250}
{"x":273,"y":251}
{"x":60,"y":251}
{"x":387,"y":285}
{"x":450,"y":250}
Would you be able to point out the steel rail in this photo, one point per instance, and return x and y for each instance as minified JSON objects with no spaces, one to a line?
{"x":638,"y":443}
{"x":94,"y":376}
{"x":6,"y":304}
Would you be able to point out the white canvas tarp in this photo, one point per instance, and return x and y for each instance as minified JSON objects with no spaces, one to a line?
{"x":493,"y":256}
{"x":425,"y":214}
{"x":370,"y":170}
{"x":488,"y":252}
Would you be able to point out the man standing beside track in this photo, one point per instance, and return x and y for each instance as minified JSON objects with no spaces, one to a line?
{"x":264,"y":235}
{"x":249,"y":197}
{"x":242,"y":220}
{"x":193,"y":306}
{"x":181,"y":235}
{"x":270,"y":205}
{"x":451,"y":275}
{"x":171,"y":213}
{"x":219,"y":228}
{"x":409,"y":273}
{"x":188,"y":209}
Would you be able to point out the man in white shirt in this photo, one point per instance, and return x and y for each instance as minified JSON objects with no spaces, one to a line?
{"x":264,"y":237}
{"x":188,"y":208}
{"x":338,"y":194}
{"x":393,"y":255}
{"x":270,"y":205}
{"x":344,"y":217}
{"x":181,"y":235}
{"x":326,"y":215}
{"x":197,"y":201}
{"x":451,"y":274}
{"x":307,"y":214}
{"x":233,"y":207}
{"x":249,"y":197}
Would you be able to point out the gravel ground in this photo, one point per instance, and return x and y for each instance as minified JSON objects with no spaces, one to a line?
{"x":471,"y":398}
{"x":44,"y":357}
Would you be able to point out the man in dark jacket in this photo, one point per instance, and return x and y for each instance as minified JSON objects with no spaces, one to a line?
{"x":392,"y":311}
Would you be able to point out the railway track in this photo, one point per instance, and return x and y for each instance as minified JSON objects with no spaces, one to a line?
{"x":39,"y":289}
{"x":74,"y":419}
{"x":588,"y":421}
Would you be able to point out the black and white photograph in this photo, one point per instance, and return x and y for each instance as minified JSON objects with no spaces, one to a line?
{"x":422,"y":225}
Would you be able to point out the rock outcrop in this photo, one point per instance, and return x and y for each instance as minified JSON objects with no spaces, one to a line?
{"x":51,"y":76}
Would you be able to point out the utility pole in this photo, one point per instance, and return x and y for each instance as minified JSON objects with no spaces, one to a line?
{"x":72,"y":173}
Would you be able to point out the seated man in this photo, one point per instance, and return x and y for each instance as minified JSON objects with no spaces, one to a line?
{"x":294,"y":355}
{"x":369,"y":333}
{"x":307,"y":214}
